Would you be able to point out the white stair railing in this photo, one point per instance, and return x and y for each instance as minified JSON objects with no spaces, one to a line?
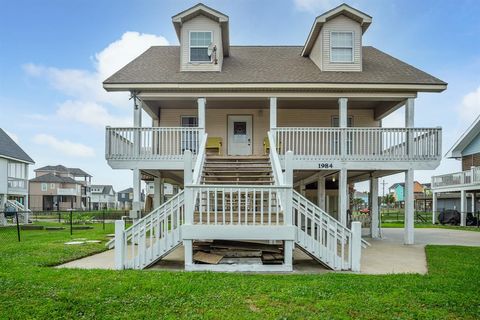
{"x":323,"y":236}
{"x":151,"y":237}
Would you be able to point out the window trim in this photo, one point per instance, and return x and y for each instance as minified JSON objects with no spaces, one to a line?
{"x":44,"y":187}
{"x":190,"y":47}
{"x":353,"y":46}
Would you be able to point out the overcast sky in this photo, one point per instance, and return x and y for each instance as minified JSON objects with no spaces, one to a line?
{"x":55,"y":54}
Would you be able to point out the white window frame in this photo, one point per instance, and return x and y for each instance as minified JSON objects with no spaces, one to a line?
{"x":52,"y":185}
{"x":44,"y":186}
{"x":190,"y":46}
{"x":353,"y":47}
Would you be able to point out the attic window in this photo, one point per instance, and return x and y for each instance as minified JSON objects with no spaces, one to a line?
{"x":341,"y":45}
{"x":199,"y":42}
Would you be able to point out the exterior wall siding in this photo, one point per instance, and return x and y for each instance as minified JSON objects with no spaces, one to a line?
{"x":342,"y":23}
{"x":200,"y":23}
{"x":473,"y":147}
{"x":216,"y":121}
{"x":3,"y":175}
{"x":469,"y":161}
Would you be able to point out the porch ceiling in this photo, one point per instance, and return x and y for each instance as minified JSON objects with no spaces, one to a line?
{"x":381,"y":106}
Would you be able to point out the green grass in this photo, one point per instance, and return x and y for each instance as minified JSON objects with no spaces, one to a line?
{"x":30,"y":289}
{"x":429,"y":225}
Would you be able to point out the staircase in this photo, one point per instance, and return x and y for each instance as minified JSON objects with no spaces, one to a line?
{"x":237,"y":171}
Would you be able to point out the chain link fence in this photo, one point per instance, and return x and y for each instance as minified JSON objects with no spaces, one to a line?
{"x":14,"y":224}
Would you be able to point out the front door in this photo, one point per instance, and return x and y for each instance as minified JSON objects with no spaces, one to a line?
{"x":239,"y":135}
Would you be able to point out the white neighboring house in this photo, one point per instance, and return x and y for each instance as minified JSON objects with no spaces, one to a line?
{"x":459,"y":190}
{"x":14,"y":164}
{"x":275,"y":121}
{"x":103,"y":197}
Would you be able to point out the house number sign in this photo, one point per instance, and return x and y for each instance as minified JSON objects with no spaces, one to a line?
{"x":325,"y":165}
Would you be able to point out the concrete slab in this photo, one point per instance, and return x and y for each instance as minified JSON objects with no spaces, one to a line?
{"x":386,"y":256}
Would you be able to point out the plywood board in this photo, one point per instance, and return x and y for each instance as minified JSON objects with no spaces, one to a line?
{"x":205,"y":257}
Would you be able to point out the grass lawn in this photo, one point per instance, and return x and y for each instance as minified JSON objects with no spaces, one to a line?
{"x":429,"y":225}
{"x":30,"y":289}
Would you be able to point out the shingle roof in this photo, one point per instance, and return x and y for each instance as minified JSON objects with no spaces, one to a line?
{"x":267,"y":64}
{"x":51,"y":178}
{"x":60,"y":168}
{"x":128,"y":190}
{"x":8,"y":148}
{"x":105,"y":188}
{"x":78,"y":172}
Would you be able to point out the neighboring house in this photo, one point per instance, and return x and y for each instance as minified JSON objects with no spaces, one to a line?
{"x":60,"y":188}
{"x":459,"y":190}
{"x":248,"y":107}
{"x":14,"y":164}
{"x":125,"y":199}
{"x":398,"y":191}
{"x":103,"y":197}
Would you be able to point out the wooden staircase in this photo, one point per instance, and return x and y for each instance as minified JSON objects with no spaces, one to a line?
{"x":248,"y":170}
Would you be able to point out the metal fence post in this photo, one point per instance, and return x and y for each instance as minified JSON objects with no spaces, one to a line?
{"x":18,"y":226}
{"x":71,"y":222}
{"x":103,"y":219}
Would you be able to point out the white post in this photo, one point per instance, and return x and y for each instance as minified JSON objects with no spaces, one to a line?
{"x":201,"y":102}
{"x":342,"y":196}
{"x":463,"y":208}
{"x":157,"y":192}
{"x":302,"y":188}
{"x":409,"y":123}
{"x":356,"y":245}
{"x":137,"y":189}
{"x":374,"y":203}
{"x":288,"y":181}
{"x":119,"y":244}
{"x":137,"y":123}
{"x":434,"y":207}
{"x":409,"y":208}
{"x":273,"y":112}
{"x":189,"y":205}
{"x":473,"y":201}
{"x":321,"y":192}
{"x":343,"y":123}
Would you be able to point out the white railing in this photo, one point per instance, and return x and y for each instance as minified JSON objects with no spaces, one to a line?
{"x":365,"y":144}
{"x":237,"y":205}
{"x":151,"y":143}
{"x":275,"y":160}
{"x":198,"y":168}
{"x":323,"y":236}
{"x":151,"y":237}
{"x":16,"y":183}
{"x":457,"y":179}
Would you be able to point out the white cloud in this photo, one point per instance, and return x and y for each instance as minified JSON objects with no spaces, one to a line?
{"x":64,"y":147}
{"x":13,"y":136}
{"x":315,"y":6}
{"x":470,"y":107}
{"x":92,"y":114}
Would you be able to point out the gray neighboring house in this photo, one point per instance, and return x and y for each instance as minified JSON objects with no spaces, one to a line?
{"x":103,"y":197}
{"x":125,"y":199}
{"x":14,"y":164}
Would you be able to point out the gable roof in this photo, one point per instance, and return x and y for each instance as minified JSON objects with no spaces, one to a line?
{"x":51,"y":178}
{"x":344,"y":9}
{"x":77,"y":172}
{"x":159,"y":67}
{"x":201,"y":9}
{"x":465,"y":139}
{"x":128,"y":190}
{"x":10,"y":149}
{"x":105,"y":188}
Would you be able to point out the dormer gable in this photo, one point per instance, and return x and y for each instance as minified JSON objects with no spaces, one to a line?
{"x":335,"y":40}
{"x":204,"y":38}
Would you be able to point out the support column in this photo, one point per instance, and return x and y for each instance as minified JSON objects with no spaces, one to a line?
{"x":119,"y":244}
{"x":375,"y":230}
{"x":409,"y":123}
{"x":201,"y":102}
{"x":137,"y":189}
{"x":473,"y":203}
{"x":343,"y":123}
{"x":434,"y":207}
{"x":321,"y":193}
{"x":289,"y":245}
{"x":409,"y":208}
{"x":157,"y":194}
{"x":302,"y":188}
{"x":189,"y":205}
{"x":463,"y":208}
{"x":356,"y":245}
{"x":137,"y":123}
{"x":273,"y":112}
{"x":342,"y":196}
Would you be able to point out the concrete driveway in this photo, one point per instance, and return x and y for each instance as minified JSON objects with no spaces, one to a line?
{"x":385,"y":256}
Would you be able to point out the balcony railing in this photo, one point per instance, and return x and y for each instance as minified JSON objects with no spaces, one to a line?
{"x":457,"y":179}
{"x":152,"y":143}
{"x":67,"y":191}
{"x":362,"y":144}
{"x":17,"y":184}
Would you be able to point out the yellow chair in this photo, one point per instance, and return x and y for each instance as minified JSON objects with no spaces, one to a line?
{"x":266,"y":146}
{"x":214,"y":143}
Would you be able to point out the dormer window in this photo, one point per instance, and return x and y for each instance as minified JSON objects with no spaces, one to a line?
{"x":199,"y":43}
{"x":341,"y":47}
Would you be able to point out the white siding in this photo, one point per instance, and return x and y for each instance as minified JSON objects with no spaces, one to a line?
{"x":320,"y":53}
{"x":200,"y":23}
{"x":3,"y":176}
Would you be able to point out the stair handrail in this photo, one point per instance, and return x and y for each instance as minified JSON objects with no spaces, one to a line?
{"x":159,"y":211}
{"x":200,"y":160}
{"x":275,"y":160}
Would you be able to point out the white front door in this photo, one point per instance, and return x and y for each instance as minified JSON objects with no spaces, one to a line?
{"x":239,"y":135}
